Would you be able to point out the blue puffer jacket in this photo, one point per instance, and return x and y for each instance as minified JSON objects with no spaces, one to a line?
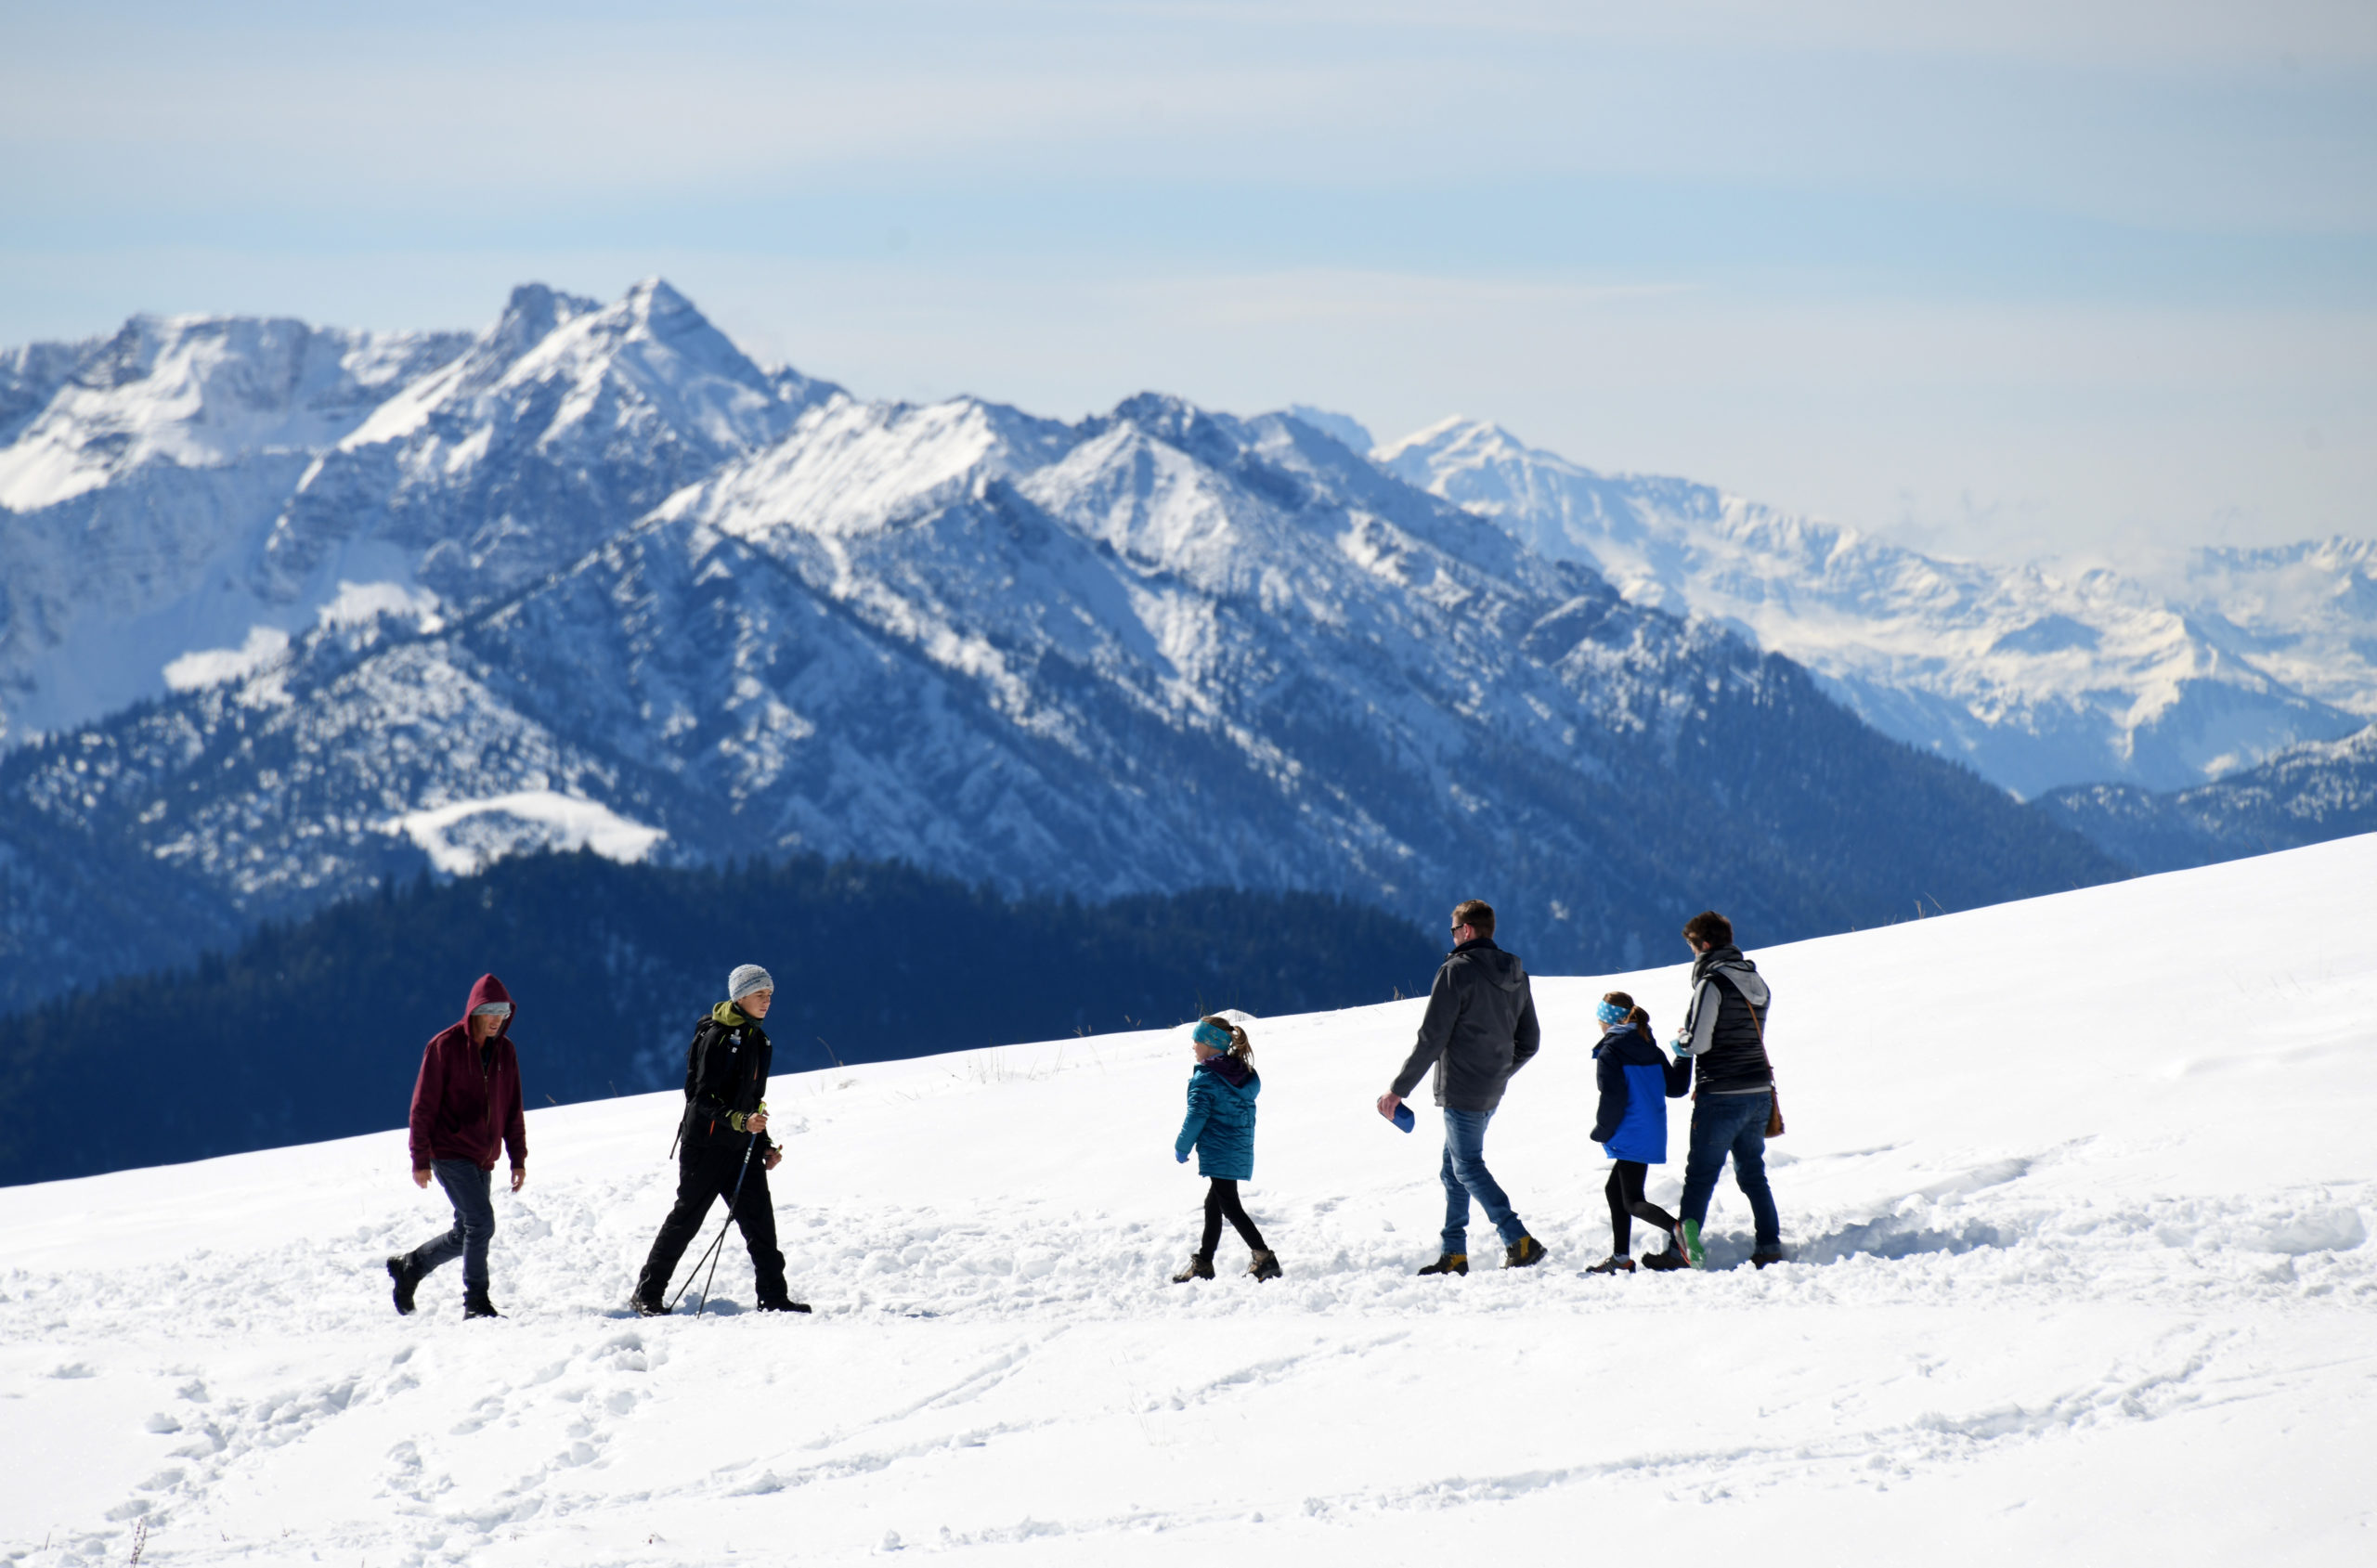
{"x":1221,"y":1118}
{"x":1636,"y":1081}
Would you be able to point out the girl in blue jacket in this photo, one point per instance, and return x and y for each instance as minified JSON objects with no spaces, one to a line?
{"x":1220,"y":1127}
{"x":1636,"y":1081}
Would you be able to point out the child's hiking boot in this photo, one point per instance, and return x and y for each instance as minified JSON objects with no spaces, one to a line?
{"x":1692,"y":1248}
{"x":1451,"y":1262}
{"x":1526,"y":1252}
{"x":1199,"y":1267}
{"x":1766,"y":1255}
{"x":1663,"y":1263}
{"x":1617,"y":1262}
{"x":408,"y":1280}
{"x":1265,"y":1265}
{"x":646,"y":1306}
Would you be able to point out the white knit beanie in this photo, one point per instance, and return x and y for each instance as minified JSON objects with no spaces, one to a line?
{"x":747,"y":979}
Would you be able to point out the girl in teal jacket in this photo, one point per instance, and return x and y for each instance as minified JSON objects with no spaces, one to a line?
{"x":1220,"y":1127}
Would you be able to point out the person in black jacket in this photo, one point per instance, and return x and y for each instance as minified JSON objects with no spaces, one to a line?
{"x":723,"y":1145}
{"x":1725,"y":1035}
{"x":1479,"y":1028}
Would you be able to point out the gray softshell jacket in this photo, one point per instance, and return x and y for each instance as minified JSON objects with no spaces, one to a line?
{"x":1479,"y":1028}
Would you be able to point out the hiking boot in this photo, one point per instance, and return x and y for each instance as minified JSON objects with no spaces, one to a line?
{"x":408,"y":1280}
{"x":1662,"y":1263}
{"x":1766,"y":1255}
{"x":1265,"y":1265}
{"x":785,"y":1304}
{"x":1617,"y":1262}
{"x":644,"y":1306}
{"x":1451,"y":1262}
{"x":1692,"y":1248}
{"x":1199,"y":1267}
{"x":476,"y":1304}
{"x":1526,"y":1252}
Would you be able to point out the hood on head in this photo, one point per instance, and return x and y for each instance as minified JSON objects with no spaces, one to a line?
{"x":489,"y":989}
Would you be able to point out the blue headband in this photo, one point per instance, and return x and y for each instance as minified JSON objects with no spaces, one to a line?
{"x":1215,"y":1035}
{"x":1611,"y":1015}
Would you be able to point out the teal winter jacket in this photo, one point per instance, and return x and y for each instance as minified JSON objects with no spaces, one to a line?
{"x":1220,"y":1125}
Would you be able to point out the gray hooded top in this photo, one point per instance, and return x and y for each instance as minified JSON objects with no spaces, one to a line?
{"x":1479,"y":1028}
{"x":1725,"y":1030}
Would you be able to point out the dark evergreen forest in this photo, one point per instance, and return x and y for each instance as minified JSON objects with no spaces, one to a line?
{"x":313,"y":1029}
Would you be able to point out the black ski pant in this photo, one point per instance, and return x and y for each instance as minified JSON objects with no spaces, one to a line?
{"x":1627,"y":1204}
{"x":706,"y":1173}
{"x":1221,"y":1202}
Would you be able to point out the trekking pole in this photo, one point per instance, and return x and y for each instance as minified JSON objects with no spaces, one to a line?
{"x":718,"y":1246}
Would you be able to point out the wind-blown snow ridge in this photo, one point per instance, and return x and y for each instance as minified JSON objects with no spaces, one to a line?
{"x":2078,"y":1190}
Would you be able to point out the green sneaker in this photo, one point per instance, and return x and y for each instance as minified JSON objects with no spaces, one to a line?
{"x":1691,"y":1246}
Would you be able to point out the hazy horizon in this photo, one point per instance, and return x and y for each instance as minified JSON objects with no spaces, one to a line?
{"x":2087,"y":280}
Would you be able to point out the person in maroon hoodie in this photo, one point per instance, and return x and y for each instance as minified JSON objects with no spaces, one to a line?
{"x":465,"y":1105}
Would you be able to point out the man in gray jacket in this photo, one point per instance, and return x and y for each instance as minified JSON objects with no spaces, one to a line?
{"x":1479,"y":1028}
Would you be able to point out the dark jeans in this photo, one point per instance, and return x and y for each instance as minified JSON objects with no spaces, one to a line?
{"x":1628,"y":1204}
{"x":1466,"y":1176}
{"x":706,"y":1173}
{"x":1735,"y":1124}
{"x":1221,"y":1202}
{"x":469,"y":1189}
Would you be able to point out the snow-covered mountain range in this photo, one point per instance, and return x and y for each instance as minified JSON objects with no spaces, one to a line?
{"x":2034,"y":679}
{"x":594,"y":578}
{"x":182,"y":499}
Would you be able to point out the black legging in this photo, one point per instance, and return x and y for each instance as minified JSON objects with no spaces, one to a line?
{"x":1626,"y":1203}
{"x":1221,"y":1198}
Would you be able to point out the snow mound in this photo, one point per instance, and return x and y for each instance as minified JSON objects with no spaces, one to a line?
{"x":2078,"y":1192}
{"x":465,"y":837}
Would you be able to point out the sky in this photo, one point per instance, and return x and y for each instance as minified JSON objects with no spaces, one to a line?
{"x":2094,"y":278}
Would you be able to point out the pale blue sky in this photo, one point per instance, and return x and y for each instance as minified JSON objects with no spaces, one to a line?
{"x":1997,"y":280}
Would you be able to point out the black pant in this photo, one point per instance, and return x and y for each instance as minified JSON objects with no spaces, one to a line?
{"x":1221,"y":1201}
{"x":1626,"y":1203}
{"x":705,"y":1174}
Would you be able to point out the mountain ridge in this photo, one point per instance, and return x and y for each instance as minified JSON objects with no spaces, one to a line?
{"x":1157,"y":648}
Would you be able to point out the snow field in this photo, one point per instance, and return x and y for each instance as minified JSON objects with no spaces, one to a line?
{"x":2078,"y":1190}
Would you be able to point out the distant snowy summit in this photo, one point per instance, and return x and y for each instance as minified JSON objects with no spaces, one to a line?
{"x":2036,"y":681}
{"x":178,"y":501}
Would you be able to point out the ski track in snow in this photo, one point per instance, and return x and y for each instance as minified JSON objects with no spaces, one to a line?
{"x":2099,"y":1291}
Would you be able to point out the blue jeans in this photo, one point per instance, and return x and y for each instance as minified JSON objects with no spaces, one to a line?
{"x":1466,"y":1176}
{"x":1735,"y":1124}
{"x":468,"y":1188}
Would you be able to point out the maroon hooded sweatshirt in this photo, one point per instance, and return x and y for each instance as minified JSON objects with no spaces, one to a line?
{"x":467,"y":1102}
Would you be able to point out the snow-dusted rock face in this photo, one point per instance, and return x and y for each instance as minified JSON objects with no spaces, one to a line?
{"x":1159,"y":649}
{"x":2033,"y":680}
{"x":178,"y":500}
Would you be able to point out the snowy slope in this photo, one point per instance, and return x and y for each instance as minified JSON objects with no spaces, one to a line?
{"x":2078,"y":1190}
{"x":2036,"y":679}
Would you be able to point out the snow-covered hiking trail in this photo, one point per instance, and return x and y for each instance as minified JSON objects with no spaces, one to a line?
{"x":2078,"y":1192}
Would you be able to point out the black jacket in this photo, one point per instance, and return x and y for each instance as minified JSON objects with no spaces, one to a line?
{"x":1725,"y":1028}
{"x":1479,"y":1028}
{"x":726,"y":1072}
